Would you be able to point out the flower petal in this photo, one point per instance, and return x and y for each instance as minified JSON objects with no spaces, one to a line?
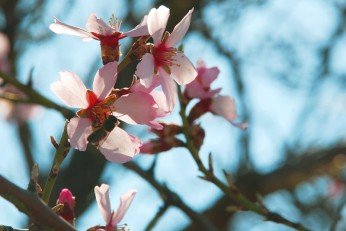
{"x":125,"y":202}
{"x":4,"y":46}
{"x":140,"y":30}
{"x":184,"y":72}
{"x":145,"y":70}
{"x":70,"y":89}
{"x":105,"y":80}
{"x":98,"y":26}
{"x":78,"y":130}
{"x":180,"y":30}
{"x":136,"y":108}
{"x":169,"y":89}
{"x":102,"y":199}
{"x":62,"y":28}
{"x":119,"y":146}
{"x":157,"y":21}
{"x":225,"y":107}
{"x":161,"y":102}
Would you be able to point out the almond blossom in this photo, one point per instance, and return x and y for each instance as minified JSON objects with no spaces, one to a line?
{"x":164,"y":61}
{"x":210,"y":100}
{"x":4,"y":51}
{"x":68,"y":200}
{"x":97,"y":105}
{"x":112,"y":218}
{"x":108,"y":35}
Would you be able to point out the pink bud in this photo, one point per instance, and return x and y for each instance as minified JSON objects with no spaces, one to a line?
{"x":68,"y":200}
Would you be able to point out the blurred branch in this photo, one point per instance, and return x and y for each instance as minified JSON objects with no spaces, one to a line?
{"x":25,"y":140}
{"x":9,"y":228}
{"x":157,"y":217}
{"x":31,"y":205}
{"x":170,"y":197}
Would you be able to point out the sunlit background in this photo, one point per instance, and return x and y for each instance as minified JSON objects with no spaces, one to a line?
{"x":283,"y":61}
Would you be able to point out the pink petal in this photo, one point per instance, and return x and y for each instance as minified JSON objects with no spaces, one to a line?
{"x":136,"y":108}
{"x":140,"y":30}
{"x":125,"y":202}
{"x":98,"y":26}
{"x":225,"y":107}
{"x":157,"y":21}
{"x":105,"y":79}
{"x":145,"y":70}
{"x":78,"y":130}
{"x":208,"y":75}
{"x":184,"y":72}
{"x":119,"y":147}
{"x":70,"y":89}
{"x":102,"y":199}
{"x":169,"y":89}
{"x":4,"y":46}
{"x":180,"y":30}
{"x":62,"y":28}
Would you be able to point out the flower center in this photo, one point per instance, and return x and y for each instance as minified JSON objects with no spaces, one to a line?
{"x":163,"y":55}
{"x":98,"y":110}
{"x":110,"y":40}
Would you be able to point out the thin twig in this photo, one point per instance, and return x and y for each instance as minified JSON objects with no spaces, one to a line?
{"x":157,"y":217}
{"x":60,"y":155}
{"x":232,"y":194}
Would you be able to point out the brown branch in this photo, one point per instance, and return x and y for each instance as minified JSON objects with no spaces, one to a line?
{"x":31,"y":205}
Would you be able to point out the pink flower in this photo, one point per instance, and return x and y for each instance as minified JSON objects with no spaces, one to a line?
{"x":16,"y":112}
{"x":97,"y":29}
{"x":68,"y":200}
{"x":210,"y":100}
{"x":97,"y":105}
{"x":200,"y":87}
{"x":110,"y":217}
{"x":164,"y":60}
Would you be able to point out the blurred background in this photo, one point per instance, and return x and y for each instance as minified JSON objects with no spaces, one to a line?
{"x":284,"y":62}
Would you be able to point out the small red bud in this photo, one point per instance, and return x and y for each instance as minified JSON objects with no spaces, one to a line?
{"x":68,"y":200}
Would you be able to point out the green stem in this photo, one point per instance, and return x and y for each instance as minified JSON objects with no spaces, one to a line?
{"x":233,"y":194}
{"x":60,"y":155}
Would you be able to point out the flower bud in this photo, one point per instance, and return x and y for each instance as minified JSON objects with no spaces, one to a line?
{"x":199,"y":109}
{"x":68,"y":200}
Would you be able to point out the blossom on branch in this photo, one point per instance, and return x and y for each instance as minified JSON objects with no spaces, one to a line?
{"x":99,"y":112}
{"x":108,"y":35}
{"x":210,"y":100}
{"x":164,"y":60}
{"x":112,"y":218}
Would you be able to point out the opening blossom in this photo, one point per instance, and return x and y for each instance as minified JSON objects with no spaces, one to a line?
{"x":164,"y":61}
{"x":108,"y":35}
{"x":112,"y":218}
{"x":210,"y":100}
{"x":97,"y":105}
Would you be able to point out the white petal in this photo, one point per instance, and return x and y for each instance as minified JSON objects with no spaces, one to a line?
{"x":78,"y":130}
{"x":119,"y":146}
{"x":70,"y":89}
{"x":169,"y":88}
{"x":125,"y":202}
{"x":145,"y":69}
{"x":140,"y":30}
{"x":157,"y":21}
{"x":105,"y":80}
{"x":102,"y":199}
{"x":180,"y":30}
{"x":62,"y":28}
{"x":184,"y":72}
{"x":98,"y":26}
